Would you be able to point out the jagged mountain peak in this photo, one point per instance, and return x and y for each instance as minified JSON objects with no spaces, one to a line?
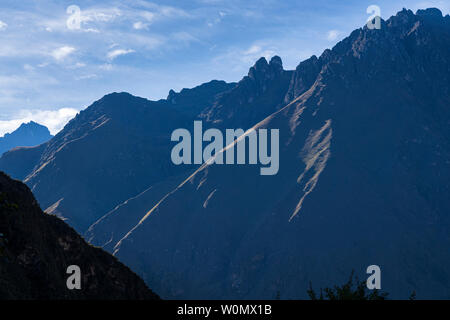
{"x":253,"y":98}
{"x":435,"y":13}
{"x":430,"y":12}
{"x":406,"y":18}
{"x":262,"y":70}
{"x":30,"y":126}
{"x":276,"y":63}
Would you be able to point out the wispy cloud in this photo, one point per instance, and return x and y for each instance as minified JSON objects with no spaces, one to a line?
{"x":87,"y":76}
{"x":244,"y":58}
{"x":184,"y":37}
{"x":62,"y":52}
{"x":253,"y":49}
{"x":118,"y":52}
{"x":44,"y":63}
{"x":77,"y":65}
{"x":83,"y":20}
{"x":100,"y":15}
{"x":159,"y":11}
{"x":332,"y":35}
{"x":140,"y":25}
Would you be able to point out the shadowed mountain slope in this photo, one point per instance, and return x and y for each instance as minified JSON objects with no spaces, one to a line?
{"x":36,"y":249}
{"x":113,"y":150}
{"x":363,"y":179}
{"x":255,"y":97}
{"x":120,"y":146}
{"x":265,"y":87}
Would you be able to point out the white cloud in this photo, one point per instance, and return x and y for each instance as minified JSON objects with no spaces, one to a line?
{"x":87,"y":77}
{"x":216,"y":20}
{"x":3,"y":25}
{"x":139,"y":25}
{"x":253,"y":49}
{"x":332,"y":35}
{"x":88,"y":20}
{"x":159,"y":11}
{"x":98,"y":20}
{"x":91,"y":30}
{"x":62,"y":53}
{"x":54,"y":120}
{"x":256,"y":51}
{"x":100,"y":15}
{"x":118,"y":52}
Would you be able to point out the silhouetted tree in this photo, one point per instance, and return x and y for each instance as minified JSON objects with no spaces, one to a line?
{"x":348,"y":291}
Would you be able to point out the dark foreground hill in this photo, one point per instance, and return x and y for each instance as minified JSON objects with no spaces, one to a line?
{"x":36,"y":249}
{"x":27,"y":135}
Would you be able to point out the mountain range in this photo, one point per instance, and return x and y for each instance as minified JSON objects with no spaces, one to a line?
{"x":363,"y":176}
{"x":27,"y":135}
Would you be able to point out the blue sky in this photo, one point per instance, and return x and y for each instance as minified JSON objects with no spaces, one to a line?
{"x":50,"y":69}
